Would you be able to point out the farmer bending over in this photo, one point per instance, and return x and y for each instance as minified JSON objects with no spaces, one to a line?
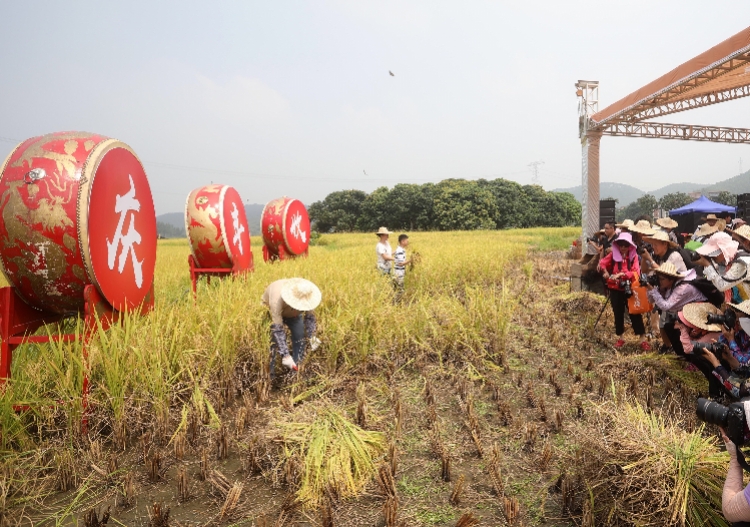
{"x":291,"y":301}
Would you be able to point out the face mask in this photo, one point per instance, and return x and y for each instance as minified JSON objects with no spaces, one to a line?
{"x":745,"y":324}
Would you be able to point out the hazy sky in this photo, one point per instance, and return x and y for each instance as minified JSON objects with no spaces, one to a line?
{"x":294,"y":98}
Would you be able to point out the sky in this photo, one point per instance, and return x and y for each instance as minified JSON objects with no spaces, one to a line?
{"x":295,"y":98}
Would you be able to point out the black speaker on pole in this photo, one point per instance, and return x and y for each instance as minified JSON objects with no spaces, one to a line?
{"x":606,"y":211}
{"x":743,"y":206}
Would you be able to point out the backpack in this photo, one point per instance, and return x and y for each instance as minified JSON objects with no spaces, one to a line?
{"x":705,"y":286}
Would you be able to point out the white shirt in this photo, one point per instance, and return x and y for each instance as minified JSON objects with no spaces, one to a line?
{"x":399,"y":259}
{"x":383,"y":249}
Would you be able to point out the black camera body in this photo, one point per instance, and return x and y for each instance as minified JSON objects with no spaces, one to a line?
{"x":731,"y":418}
{"x":728,"y":319}
{"x":652,"y":280}
{"x":626,"y":287}
{"x":694,"y":256}
{"x":646,"y":248}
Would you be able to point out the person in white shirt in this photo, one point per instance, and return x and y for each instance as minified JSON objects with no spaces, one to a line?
{"x":399,"y":266}
{"x":383,"y":250}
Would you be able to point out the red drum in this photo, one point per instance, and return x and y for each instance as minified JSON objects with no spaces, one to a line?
{"x":285,"y":227}
{"x":76,"y":210}
{"x":217,"y":228}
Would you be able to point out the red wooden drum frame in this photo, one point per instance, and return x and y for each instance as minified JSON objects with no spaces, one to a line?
{"x":285,"y":227}
{"x":76,"y":210}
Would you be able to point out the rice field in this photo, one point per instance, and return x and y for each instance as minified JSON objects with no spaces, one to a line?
{"x":484,"y":397}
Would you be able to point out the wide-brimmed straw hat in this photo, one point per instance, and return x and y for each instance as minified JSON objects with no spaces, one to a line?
{"x":661,"y":236}
{"x":626,"y":224}
{"x":642,"y":227}
{"x":743,"y":231}
{"x":697,"y":315}
{"x":668,"y":269}
{"x":383,"y":230}
{"x":743,"y":307}
{"x":667,"y":223}
{"x":705,"y":229}
{"x":710,"y":217}
{"x":301,"y":294}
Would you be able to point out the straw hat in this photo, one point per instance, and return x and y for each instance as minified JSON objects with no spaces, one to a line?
{"x":301,"y":294}
{"x":642,"y":227}
{"x":662,"y":236}
{"x":743,"y":307}
{"x":627,"y":224}
{"x":383,"y":230}
{"x":705,"y":229}
{"x":697,"y":314}
{"x":668,"y":269}
{"x":667,"y":223}
{"x":743,"y":231}
{"x":710,"y":217}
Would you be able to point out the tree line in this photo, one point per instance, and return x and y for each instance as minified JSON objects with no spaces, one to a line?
{"x":452,"y":204}
{"x":646,"y":204}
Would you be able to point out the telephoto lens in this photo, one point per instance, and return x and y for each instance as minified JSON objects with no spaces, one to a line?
{"x":731,"y":418}
{"x":712,"y":412}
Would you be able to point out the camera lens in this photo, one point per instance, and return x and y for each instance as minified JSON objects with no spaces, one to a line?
{"x":711,"y":412}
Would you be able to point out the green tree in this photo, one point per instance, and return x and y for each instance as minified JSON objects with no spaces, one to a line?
{"x":511,"y":202}
{"x":674,"y":200}
{"x":562,"y":209}
{"x":338,"y":212}
{"x":643,"y":206}
{"x":376,"y":211}
{"x":410,"y":207}
{"x":463,"y":205}
{"x":726,"y":198}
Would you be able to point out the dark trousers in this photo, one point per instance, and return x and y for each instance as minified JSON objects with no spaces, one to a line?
{"x":296,"y":327}
{"x":619,"y":305}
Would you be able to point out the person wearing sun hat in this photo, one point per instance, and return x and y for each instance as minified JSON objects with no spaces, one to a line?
{"x":625,"y":225}
{"x":291,"y":302}
{"x":737,"y":338}
{"x":725,"y":266}
{"x":741,"y":234}
{"x":383,"y":250}
{"x":617,"y":267}
{"x":669,"y":225}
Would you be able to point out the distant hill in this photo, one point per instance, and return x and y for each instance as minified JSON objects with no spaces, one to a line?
{"x":176,"y":221}
{"x":626,"y":194}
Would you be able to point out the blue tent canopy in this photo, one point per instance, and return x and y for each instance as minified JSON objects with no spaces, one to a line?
{"x":702,"y":205}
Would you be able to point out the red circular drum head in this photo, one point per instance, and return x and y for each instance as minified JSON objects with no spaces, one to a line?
{"x":121,"y":227}
{"x":296,"y":227}
{"x":234,"y":228}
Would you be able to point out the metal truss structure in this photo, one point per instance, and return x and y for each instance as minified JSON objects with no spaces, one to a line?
{"x":686,"y":132}
{"x":718,"y":75}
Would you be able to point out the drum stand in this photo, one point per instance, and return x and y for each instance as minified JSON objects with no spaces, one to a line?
{"x":196,"y":272}
{"x":18,"y":321}
{"x":268,"y":256}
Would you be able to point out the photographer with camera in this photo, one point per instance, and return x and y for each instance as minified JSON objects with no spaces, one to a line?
{"x":724,"y":265}
{"x":732,"y":423}
{"x":669,"y":225}
{"x":735,"y":333}
{"x":670,"y":290}
{"x":602,"y":243}
{"x":619,"y":268}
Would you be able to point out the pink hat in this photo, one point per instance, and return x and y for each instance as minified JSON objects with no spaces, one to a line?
{"x":719,"y":243}
{"x":625,"y":237}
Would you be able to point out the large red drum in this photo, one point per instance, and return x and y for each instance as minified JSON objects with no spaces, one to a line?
{"x":285,"y":227}
{"x":76,"y":210}
{"x":217,"y":228}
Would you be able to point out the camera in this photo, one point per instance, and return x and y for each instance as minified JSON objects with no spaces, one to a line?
{"x":694,"y":256}
{"x":646,"y":248}
{"x":731,"y":418}
{"x":727,"y":319}
{"x":650,"y":280}
{"x":714,"y":347}
{"x":626,"y":287}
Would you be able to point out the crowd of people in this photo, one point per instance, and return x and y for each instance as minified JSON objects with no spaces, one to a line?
{"x":693,"y":290}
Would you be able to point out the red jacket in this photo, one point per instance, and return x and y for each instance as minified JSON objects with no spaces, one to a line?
{"x":631,"y":269}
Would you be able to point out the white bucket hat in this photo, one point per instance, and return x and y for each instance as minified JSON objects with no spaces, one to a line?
{"x":301,"y":294}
